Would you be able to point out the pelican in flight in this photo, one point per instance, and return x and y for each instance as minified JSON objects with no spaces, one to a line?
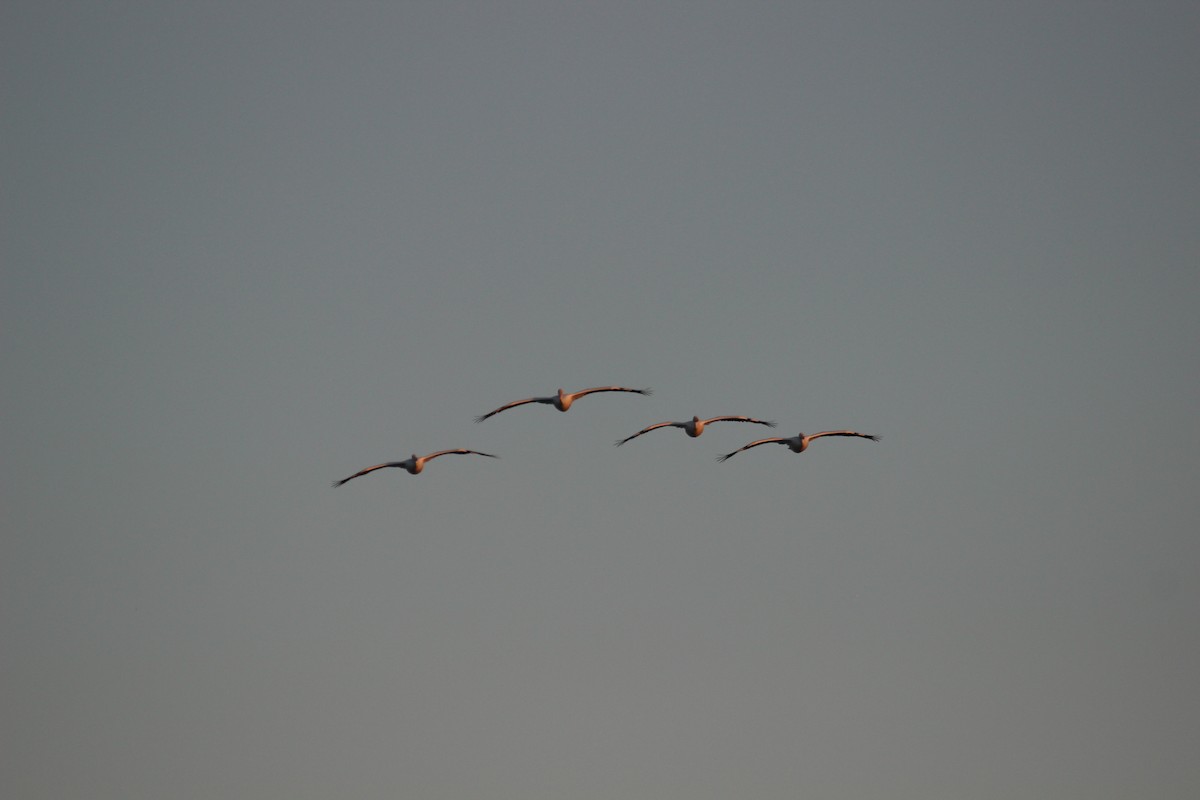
{"x":414,"y":465}
{"x":798,"y":443}
{"x":695,"y":426}
{"x":562,"y":401}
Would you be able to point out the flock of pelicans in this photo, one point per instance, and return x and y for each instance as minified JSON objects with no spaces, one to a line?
{"x":562,"y":401}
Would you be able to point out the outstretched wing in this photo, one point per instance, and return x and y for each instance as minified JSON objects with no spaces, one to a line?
{"x":368,"y":471}
{"x":577,"y":395}
{"x":460,"y":452}
{"x":776,"y":440}
{"x":644,"y":430}
{"x":768,"y":423}
{"x":844,"y":433}
{"x":514,"y":404}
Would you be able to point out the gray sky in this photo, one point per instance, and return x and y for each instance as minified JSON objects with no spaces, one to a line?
{"x":251,"y":248}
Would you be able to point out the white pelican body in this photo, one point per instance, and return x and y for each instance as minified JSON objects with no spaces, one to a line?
{"x":695,"y":426}
{"x":562,"y":401}
{"x":415,"y":464}
{"x":798,"y":443}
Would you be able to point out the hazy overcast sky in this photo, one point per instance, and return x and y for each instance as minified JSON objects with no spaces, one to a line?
{"x":250,"y":248}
